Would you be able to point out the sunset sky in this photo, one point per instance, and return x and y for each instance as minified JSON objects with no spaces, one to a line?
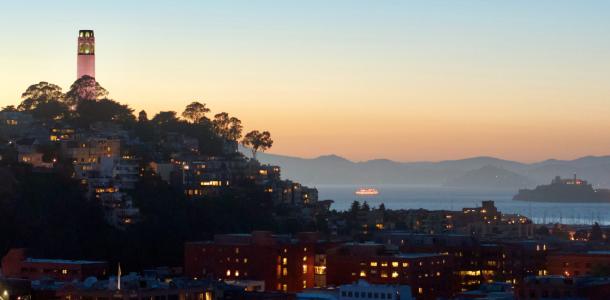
{"x":403,"y":80}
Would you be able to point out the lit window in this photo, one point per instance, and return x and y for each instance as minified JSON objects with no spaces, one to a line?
{"x":405,"y":264}
{"x":228,"y":272}
{"x":384,"y":264}
{"x":394,"y":274}
{"x":394,"y":264}
{"x":362,"y":273}
{"x":304,"y":258}
{"x":284,"y":261}
{"x":373,"y":264}
{"x":285,"y":272}
{"x":304,"y":269}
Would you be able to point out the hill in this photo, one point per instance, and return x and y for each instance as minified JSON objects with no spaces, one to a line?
{"x":333,"y":169}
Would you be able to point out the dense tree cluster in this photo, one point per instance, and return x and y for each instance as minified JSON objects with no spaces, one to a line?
{"x":47,"y":211}
{"x":87,"y":103}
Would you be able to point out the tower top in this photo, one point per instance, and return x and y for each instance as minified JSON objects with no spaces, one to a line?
{"x":85,"y":58}
{"x":85,"y":33}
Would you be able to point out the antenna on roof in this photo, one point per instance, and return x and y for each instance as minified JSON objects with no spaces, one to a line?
{"x":118,"y":278}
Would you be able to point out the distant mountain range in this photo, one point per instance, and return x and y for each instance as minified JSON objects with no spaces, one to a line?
{"x":471,"y":172}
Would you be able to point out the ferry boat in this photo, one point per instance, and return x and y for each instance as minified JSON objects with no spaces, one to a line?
{"x":367,"y":192}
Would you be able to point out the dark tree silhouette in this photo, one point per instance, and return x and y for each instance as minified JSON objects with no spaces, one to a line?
{"x":228,"y":127}
{"x":40,"y":93}
{"x":104,"y":110}
{"x":165,"y":118}
{"x":85,"y":88}
{"x":142,"y":117}
{"x":10,"y":108}
{"x":195,"y":112}
{"x":50,"y":110}
{"x":257,"y":141}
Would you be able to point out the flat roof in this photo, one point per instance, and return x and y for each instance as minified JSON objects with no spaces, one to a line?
{"x":417,"y":255}
{"x":63,"y":261}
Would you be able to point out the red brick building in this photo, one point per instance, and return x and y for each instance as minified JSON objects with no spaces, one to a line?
{"x":578,"y":264}
{"x":282,"y":262}
{"x":16,"y":264}
{"x":428,"y":274}
{"x":561,"y":287}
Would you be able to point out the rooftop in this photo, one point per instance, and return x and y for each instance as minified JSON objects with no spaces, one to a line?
{"x":63,"y":261}
{"x":418,"y":255}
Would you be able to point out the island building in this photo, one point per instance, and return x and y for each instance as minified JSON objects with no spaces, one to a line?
{"x":85,"y":58}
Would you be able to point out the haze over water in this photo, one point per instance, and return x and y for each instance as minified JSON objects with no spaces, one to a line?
{"x":450,"y":198}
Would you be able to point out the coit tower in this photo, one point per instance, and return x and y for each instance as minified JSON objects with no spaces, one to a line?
{"x":85,"y":61}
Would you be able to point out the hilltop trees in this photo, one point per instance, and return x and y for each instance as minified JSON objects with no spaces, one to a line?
{"x":195,"y":112}
{"x":44,"y":101}
{"x":165,"y":118}
{"x":142,"y":117}
{"x":86,"y":103}
{"x":51,"y":110}
{"x":9,"y":108}
{"x":257,"y":141}
{"x":104,"y":110}
{"x":40,"y":93}
{"x":228,"y":127}
{"x":85,"y":88}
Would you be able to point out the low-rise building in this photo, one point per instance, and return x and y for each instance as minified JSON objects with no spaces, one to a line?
{"x":579,"y":264}
{"x":16,"y":264}
{"x":428,"y":274}
{"x":133,"y":286}
{"x":561,"y":287}
{"x":284,"y":263}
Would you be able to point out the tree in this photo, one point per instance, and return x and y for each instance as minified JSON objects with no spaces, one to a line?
{"x":164,"y":118}
{"x":104,"y":110}
{"x":50,"y":110}
{"x":257,"y":141}
{"x":195,"y":112}
{"x":40,"y":93}
{"x":85,"y":88}
{"x":228,"y":127}
{"x":142,"y":117}
{"x":9,"y":108}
